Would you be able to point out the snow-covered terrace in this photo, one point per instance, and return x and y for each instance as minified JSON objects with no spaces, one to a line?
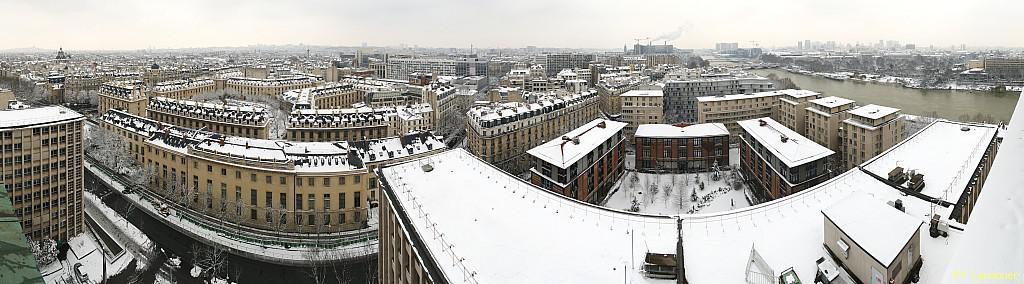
{"x":488,"y":222}
{"x":242,"y":115}
{"x":378,"y":150}
{"x":991,"y":244}
{"x":945,"y":179}
{"x":873,"y":111}
{"x":23,"y":117}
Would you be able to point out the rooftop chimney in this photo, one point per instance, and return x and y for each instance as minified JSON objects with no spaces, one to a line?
{"x":761,"y":122}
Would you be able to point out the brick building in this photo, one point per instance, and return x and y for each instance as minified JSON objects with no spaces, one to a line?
{"x":582,"y":164}
{"x":693,"y":148}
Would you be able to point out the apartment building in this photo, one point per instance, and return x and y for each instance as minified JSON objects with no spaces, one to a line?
{"x":686,"y":148}
{"x":868,"y":131}
{"x":501,"y":133}
{"x":295,"y":187}
{"x":779,"y":161}
{"x":401,"y":68}
{"x":824,"y":118}
{"x":182,"y":89}
{"x":886,"y":251}
{"x":328,"y":96}
{"x":243,"y":121}
{"x":358,"y":123}
{"x":127,"y":95}
{"x":728,"y":109}
{"x":641,"y":107}
{"x":611,"y":86}
{"x":792,"y":111}
{"x":1007,"y":69}
{"x":584,"y":163}
{"x":42,"y":168}
{"x":268,"y":87}
{"x":681,"y":104}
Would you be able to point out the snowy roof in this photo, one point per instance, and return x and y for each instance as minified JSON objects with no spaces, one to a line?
{"x":496,"y":114}
{"x":563,"y":153}
{"x":794,"y":151}
{"x":243,"y":115}
{"x":992,"y":240}
{"x":832,"y":101}
{"x":950,"y":146}
{"x":739,"y":96}
{"x":799,"y":93}
{"x":787,"y":232}
{"x":468,"y":210}
{"x":26,"y":117}
{"x":873,"y":111}
{"x":879,"y":229}
{"x":672,"y":131}
{"x":412,"y":144}
{"x":642,"y":93}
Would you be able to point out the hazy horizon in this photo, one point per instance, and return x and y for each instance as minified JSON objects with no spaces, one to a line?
{"x":601,"y":24}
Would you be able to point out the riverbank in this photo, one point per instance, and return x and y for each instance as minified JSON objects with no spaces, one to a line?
{"x":977,"y":106}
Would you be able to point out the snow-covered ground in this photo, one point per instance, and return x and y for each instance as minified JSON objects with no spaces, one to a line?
{"x":672,"y":194}
{"x":85,"y":250}
{"x":123,"y":232}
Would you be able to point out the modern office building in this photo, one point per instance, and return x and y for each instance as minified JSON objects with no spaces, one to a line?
{"x":501,"y":133}
{"x":684,"y":148}
{"x":681,"y":104}
{"x":641,"y":107}
{"x":869,"y":131}
{"x":779,"y":161}
{"x":553,"y":63}
{"x":42,"y":168}
{"x":127,"y":95}
{"x":584,"y":163}
{"x":244,"y":121}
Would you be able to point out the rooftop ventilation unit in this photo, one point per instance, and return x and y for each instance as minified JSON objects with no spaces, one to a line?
{"x":916,"y":181}
{"x":783,"y":138}
{"x":761,"y":122}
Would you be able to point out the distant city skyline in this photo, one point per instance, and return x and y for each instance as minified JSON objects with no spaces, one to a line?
{"x":602,"y":24}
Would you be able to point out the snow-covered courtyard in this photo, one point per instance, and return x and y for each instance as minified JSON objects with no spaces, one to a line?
{"x":670,"y":194}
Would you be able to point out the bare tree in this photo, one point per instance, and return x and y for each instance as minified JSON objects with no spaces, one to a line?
{"x":213,"y":261}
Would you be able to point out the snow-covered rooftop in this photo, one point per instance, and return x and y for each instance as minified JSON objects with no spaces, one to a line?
{"x":992,"y":240}
{"x":793,"y":150}
{"x":832,"y":101}
{"x":565,"y":151}
{"x":491,"y":223}
{"x":879,"y":229}
{"x":642,"y":93}
{"x":944,"y":178}
{"x":799,"y":93}
{"x":24,"y":117}
{"x":739,"y":96}
{"x":672,"y":131}
{"x":873,"y":111}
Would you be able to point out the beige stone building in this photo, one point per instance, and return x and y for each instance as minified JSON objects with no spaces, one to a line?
{"x":296,"y":187}
{"x":728,"y":109}
{"x":269,"y":87}
{"x":641,"y":107}
{"x":502,"y":133}
{"x":358,"y":123}
{"x":824,"y":117}
{"x":42,"y":168}
{"x":182,"y":89}
{"x":328,"y":96}
{"x":868,"y":131}
{"x":241,"y":121}
{"x":126,"y":95}
{"x":792,"y":111}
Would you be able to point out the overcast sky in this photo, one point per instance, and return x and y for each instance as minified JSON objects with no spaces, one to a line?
{"x":131,"y":24}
